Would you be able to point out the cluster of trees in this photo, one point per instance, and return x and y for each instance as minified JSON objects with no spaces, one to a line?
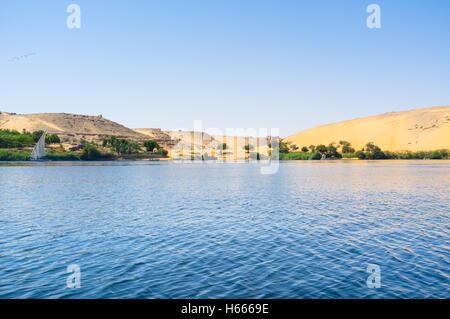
{"x":378,"y":154}
{"x":310,"y":153}
{"x":49,"y":138}
{"x":371,"y":151}
{"x":90,"y":153}
{"x":329,"y":151}
{"x":15,"y":139}
{"x":332,"y":150}
{"x":155,"y":148}
{"x":121,"y":145}
{"x":346,"y":147}
{"x":282,"y":147}
{"x":151,"y":146}
{"x":344,"y":150}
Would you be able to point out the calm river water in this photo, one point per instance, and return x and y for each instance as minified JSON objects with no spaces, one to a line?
{"x":165,"y":230}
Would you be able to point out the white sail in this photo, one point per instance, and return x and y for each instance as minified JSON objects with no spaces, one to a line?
{"x":39,"y":149}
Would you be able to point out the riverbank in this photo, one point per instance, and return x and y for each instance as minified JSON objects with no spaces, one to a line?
{"x":16,"y":146}
{"x":344,"y":150}
{"x":90,"y":152}
{"x":22,"y":155}
{"x":303,"y":156}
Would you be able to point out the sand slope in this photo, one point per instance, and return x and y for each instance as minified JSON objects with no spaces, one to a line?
{"x":421,"y":129}
{"x":69,"y":125}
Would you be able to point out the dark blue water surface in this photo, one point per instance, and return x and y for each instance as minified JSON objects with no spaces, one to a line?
{"x":165,"y":230}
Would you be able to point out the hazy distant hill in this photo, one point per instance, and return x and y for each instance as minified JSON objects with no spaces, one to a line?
{"x":163,"y":138}
{"x":421,"y":129}
{"x":69,"y":126}
{"x":198,"y":143}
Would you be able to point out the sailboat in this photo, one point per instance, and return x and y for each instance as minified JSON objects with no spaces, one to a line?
{"x":39,"y":150}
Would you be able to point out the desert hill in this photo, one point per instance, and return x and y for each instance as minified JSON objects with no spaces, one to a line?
{"x":417,"y":130}
{"x":423,"y":129}
{"x":69,"y":126}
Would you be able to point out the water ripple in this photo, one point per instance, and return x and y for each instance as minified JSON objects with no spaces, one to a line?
{"x":152,"y":230}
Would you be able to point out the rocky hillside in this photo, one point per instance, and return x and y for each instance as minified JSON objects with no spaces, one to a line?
{"x":69,"y":126}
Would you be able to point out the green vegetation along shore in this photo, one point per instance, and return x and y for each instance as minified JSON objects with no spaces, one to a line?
{"x":14,"y":139}
{"x":344,"y":150}
{"x":16,"y":146}
{"x":14,"y":155}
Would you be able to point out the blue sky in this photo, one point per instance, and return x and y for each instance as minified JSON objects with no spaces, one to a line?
{"x":249,"y":63}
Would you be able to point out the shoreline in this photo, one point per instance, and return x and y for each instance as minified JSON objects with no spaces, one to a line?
{"x":170,"y":160}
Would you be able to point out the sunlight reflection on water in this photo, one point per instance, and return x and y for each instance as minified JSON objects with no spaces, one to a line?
{"x":164,"y":230}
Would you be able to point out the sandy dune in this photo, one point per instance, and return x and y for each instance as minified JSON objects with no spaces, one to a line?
{"x":422,"y":129}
